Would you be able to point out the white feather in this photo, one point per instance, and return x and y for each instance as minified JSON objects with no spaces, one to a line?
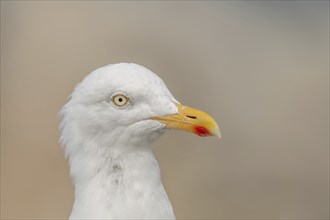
{"x":113,"y":169}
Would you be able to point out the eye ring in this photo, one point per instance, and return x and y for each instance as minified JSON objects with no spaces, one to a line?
{"x":120,"y":100}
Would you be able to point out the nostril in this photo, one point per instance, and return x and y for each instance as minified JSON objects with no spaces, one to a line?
{"x":189,"y":116}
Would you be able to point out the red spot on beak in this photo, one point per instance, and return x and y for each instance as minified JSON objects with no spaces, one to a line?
{"x":202,"y":131}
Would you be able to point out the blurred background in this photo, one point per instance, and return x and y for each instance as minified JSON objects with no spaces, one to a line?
{"x":260,"y":68}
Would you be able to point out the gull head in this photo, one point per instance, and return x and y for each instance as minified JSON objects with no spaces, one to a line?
{"x":127,"y":103}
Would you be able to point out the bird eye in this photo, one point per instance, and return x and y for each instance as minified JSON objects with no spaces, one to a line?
{"x":120,"y":100}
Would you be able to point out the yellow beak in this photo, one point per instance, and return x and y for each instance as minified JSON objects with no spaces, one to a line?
{"x":192,"y":120}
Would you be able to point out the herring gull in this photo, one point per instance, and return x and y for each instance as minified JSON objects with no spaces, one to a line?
{"x":107,"y":129}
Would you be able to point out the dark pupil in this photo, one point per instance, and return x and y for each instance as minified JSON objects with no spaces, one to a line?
{"x":120,"y":99}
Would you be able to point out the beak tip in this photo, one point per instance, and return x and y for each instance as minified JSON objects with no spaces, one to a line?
{"x":217,"y":133}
